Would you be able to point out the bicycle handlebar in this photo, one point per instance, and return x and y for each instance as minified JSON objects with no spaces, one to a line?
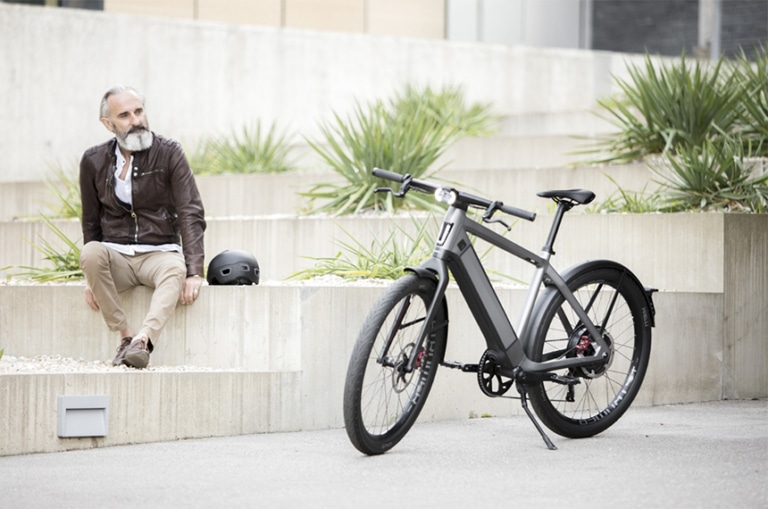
{"x":475,"y":201}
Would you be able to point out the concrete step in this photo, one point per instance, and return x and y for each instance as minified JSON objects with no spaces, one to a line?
{"x":682,"y":252}
{"x":251,"y":194}
{"x":273,"y":357}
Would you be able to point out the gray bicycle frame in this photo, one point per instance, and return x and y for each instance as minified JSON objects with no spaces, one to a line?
{"x":455,"y":252}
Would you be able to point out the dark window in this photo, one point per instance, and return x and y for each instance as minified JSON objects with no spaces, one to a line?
{"x":26,"y":2}
{"x":744,"y":23}
{"x":665,"y":27}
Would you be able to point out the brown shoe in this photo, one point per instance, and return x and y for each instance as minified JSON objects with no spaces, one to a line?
{"x":120,"y":357}
{"x":137,"y":353}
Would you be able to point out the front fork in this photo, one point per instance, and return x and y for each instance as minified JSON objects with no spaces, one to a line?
{"x":436,"y":270}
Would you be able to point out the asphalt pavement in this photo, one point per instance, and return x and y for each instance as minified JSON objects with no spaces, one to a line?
{"x":708,"y":455}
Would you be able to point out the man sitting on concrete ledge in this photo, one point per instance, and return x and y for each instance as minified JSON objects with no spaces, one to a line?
{"x":143,"y":223}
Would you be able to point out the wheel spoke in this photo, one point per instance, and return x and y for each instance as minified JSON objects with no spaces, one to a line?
{"x":607,"y":387}
{"x":383,"y":395}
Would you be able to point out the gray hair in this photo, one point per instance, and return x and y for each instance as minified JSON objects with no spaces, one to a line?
{"x":116,"y":89}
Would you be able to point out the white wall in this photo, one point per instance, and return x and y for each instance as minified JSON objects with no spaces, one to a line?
{"x":201,"y":78}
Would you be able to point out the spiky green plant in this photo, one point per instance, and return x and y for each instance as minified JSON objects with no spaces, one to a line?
{"x":65,"y":188}
{"x":714,"y":176}
{"x":252,"y":150}
{"x":65,"y":261}
{"x":752,"y":75}
{"x":665,"y":106}
{"x":406,"y":134}
{"x":631,"y":202}
{"x":382,"y":259}
{"x":449,"y":109}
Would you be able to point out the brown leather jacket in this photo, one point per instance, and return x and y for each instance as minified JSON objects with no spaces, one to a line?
{"x":166,"y":202}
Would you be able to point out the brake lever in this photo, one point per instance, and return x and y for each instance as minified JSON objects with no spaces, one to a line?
{"x":404,"y":187}
{"x":492,"y":208}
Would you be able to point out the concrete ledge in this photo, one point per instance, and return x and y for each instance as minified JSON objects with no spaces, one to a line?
{"x":289,"y":346}
{"x":518,"y":166}
{"x":148,"y":407}
{"x":683,"y":252}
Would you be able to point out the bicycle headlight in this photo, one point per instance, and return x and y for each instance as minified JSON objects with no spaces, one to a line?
{"x":446,"y":195}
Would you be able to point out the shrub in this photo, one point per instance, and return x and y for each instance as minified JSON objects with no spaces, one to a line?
{"x":703,"y":124}
{"x":667,"y":106}
{"x":713,"y":176}
{"x":752,"y":76}
{"x":383,"y":259}
{"x":405,"y":135}
{"x":65,"y":262}
{"x":252,"y":150}
{"x":64,"y":186}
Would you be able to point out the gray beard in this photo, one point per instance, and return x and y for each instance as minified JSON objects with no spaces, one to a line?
{"x":136,"y":142}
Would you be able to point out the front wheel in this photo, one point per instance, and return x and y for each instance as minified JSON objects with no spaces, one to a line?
{"x":382,"y":396}
{"x":616,"y":304}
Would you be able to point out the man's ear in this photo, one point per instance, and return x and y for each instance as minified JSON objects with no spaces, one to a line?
{"x":107,"y":124}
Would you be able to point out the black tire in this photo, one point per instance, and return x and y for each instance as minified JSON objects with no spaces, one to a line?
{"x":607,"y":390}
{"x":382,"y":401}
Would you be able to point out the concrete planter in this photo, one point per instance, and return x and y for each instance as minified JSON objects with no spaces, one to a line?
{"x":284,"y":347}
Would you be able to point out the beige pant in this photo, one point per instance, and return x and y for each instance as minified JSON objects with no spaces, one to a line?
{"x":108,"y":273}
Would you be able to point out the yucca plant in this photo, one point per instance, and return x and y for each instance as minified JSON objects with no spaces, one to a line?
{"x":713,"y":176}
{"x":406,"y":134}
{"x":630,"y":202}
{"x":252,"y":150}
{"x":65,"y":188}
{"x":66,"y":261}
{"x":449,"y":110}
{"x":375,"y":137}
{"x":383,"y":259}
{"x":666,"y":106}
{"x":752,"y":75}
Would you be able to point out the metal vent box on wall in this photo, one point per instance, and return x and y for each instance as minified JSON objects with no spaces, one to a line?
{"x":83,"y":416}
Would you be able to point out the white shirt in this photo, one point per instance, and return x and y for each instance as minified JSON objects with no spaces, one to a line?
{"x":123,"y":190}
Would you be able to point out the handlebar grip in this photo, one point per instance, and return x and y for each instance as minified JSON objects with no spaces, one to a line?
{"x":388,"y":175}
{"x":522,"y":214}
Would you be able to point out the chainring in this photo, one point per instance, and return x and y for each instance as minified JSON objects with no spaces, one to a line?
{"x":491,"y":382}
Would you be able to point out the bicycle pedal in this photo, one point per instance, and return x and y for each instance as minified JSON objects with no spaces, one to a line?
{"x":466,"y":368}
{"x":564,"y":380}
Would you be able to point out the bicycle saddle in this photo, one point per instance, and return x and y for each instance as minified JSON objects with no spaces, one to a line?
{"x":576,"y":196}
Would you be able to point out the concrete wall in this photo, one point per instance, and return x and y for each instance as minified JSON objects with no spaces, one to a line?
{"x":514,"y":167}
{"x":202,"y":79}
{"x":274,"y":358}
{"x":644,"y":242}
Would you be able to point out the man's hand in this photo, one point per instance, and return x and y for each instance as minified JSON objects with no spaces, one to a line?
{"x":90,"y":299}
{"x":191,"y":289}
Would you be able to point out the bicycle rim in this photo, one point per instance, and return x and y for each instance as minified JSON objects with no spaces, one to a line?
{"x":606,"y":390}
{"x":381,"y":398}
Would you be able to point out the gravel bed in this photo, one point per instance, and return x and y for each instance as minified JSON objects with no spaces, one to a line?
{"x":57,"y":364}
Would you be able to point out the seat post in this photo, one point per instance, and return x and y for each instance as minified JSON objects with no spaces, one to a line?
{"x":562,"y":207}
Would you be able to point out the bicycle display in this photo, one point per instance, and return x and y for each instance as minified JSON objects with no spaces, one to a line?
{"x":579,"y":353}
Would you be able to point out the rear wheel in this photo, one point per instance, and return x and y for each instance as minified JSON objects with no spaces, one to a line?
{"x":616,"y":304}
{"x":382,"y":397}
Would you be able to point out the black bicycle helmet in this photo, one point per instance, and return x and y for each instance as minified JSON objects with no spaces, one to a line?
{"x":232,"y":267}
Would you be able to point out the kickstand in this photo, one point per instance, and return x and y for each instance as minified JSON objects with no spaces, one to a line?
{"x":523,"y":390}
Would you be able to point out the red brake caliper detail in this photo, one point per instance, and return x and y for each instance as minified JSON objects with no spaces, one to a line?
{"x":419,"y":357}
{"x":583,"y":344}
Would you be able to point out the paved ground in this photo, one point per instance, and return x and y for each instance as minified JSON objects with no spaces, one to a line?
{"x":708,"y":455}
